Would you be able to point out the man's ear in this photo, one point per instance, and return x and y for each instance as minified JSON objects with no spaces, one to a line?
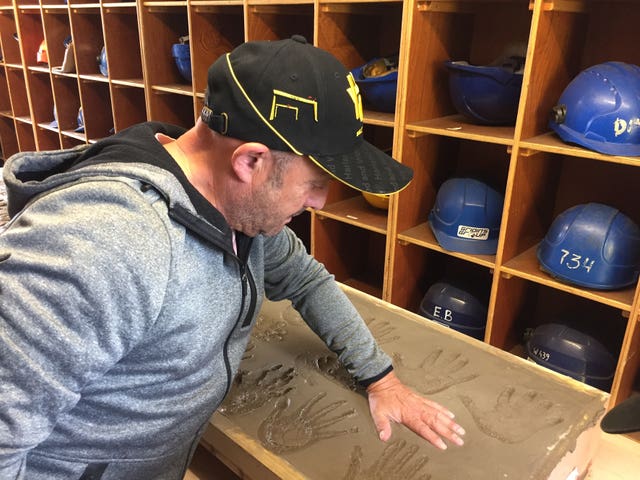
{"x":249,"y":160}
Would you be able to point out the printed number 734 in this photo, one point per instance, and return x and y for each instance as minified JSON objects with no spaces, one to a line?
{"x":574,"y":261}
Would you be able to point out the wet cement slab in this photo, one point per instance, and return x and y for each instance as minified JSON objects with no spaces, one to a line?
{"x":296,"y":405}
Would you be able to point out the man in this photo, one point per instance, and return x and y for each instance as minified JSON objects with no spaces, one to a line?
{"x":131,"y":271}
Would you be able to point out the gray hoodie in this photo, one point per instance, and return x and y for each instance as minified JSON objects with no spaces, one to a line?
{"x":124,"y":311}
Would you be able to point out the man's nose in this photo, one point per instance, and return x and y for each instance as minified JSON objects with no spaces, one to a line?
{"x":317,"y":198}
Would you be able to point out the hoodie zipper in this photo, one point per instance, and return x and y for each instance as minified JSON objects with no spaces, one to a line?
{"x":247,"y":283}
{"x":210,"y":233}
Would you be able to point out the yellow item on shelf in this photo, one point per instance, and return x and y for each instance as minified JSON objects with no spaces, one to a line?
{"x":380,"y":201}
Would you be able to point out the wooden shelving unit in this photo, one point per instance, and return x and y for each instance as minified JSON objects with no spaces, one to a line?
{"x":391,"y":254}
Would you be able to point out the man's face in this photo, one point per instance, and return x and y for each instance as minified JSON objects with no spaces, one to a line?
{"x":276,"y":199}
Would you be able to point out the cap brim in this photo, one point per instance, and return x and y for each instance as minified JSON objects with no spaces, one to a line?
{"x":367,"y":169}
{"x":623,"y":418}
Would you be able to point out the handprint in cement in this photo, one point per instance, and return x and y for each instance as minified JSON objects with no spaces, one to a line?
{"x":270,"y":329}
{"x":251,"y":390}
{"x":286,"y":431}
{"x":437,"y":372}
{"x":515,"y":416}
{"x":382,"y":330}
{"x":327,"y":365}
{"x":292,"y":316}
{"x":397,"y":462}
{"x":249,"y":351}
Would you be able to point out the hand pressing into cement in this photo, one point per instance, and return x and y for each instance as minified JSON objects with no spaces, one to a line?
{"x":515,"y":417}
{"x":252,"y":390}
{"x":437,"y":372}
{"x":285,"y":432}
{"x":396,"y":463}
{"x":392,"y":401}
{"x":383,"y":330}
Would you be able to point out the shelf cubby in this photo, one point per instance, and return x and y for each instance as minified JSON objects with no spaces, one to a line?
{"x":8,"y":138}
{"x":57,"y":30}
{"x":390,"y":253}
{"x":274,"y":21}
{"x":24,"y":132}
{"x":9,"y":37}
{"x":88,"y":40}
{"x":47,"y":138}
{"x":128,"y":105}
{"x":522,"y":306}
{"x":220,"y":29}
{"x":30,"y":33}
{"x":97,"y":110}
{"x":362,"y":264}
{"x":171,"y":108}
{"x":66,"y":99}
{"x":122,"y":44}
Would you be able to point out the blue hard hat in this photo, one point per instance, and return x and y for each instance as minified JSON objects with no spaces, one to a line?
{"x":571,"y":352}
{"x":466,"y":216}
{"x":182,"y":56}
{"x":80,"y":119}
{"x":487,"y":94}
{"x":455,"y":308}
{"x":102,"y":62}
{"x":54,"y":123}
{"x":600,"y":109}
{"x":378,"y":83}
{"x":592,"y":245}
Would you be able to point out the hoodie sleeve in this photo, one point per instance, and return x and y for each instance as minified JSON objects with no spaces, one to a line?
{"x":83,"y":270}
{"x":291,"y":273}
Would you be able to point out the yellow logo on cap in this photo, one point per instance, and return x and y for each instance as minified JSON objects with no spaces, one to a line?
{"x":354,"y":93}
{"x":279,"y":102}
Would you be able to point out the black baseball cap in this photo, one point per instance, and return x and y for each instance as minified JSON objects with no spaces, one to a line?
{"x":292,"y":96}
{"x":624,"y":417}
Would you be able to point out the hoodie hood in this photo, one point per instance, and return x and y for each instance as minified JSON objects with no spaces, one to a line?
{"x":29,"y":174}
